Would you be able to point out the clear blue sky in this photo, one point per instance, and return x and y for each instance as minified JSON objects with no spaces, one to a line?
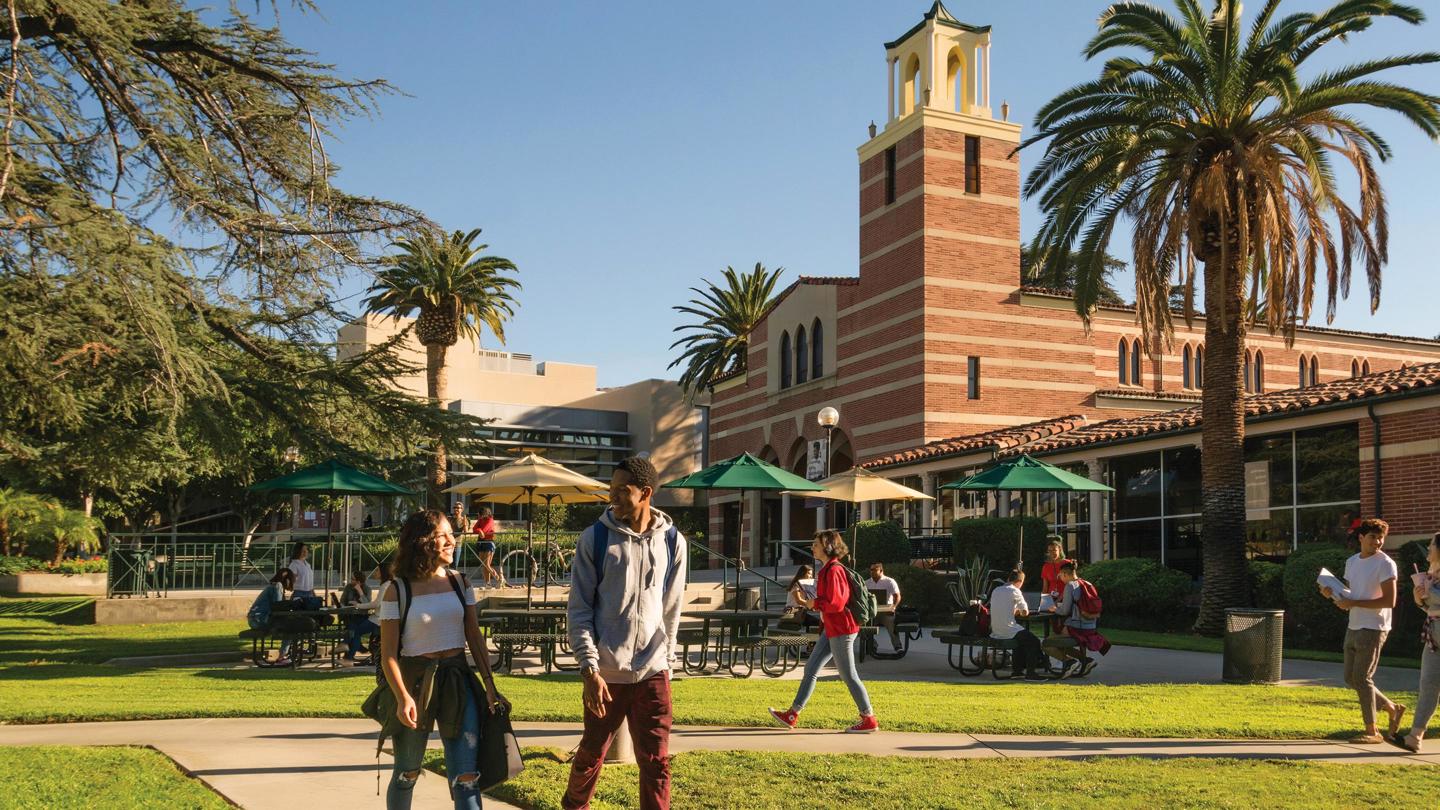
{"x":620,"y":152}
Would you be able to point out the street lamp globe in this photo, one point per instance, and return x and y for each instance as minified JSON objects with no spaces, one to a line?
{"x":828,"y":417}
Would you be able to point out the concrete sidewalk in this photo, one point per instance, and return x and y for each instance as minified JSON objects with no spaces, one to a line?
{"x":263,"y":763}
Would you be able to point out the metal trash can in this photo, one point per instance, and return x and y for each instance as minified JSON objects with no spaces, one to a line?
{"x":749,"y":598}
{"x":1254,"y":645}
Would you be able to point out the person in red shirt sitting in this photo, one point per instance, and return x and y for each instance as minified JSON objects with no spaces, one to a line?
{"x":832,"y":593}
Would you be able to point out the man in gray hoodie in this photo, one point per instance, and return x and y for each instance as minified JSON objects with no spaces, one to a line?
{"x":627,"y":584}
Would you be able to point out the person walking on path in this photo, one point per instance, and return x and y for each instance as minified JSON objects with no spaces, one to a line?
{"x":832,"y":597}
{"x":422,"y":644}
{"x":627,"y":586}
{"x":484,"y":528}
{"x":1427,"y":597}
{"x":1370,"y":576}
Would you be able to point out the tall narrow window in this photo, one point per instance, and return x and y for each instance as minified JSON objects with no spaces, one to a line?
{"x":1135,"y":362}
{"x":1185,"y":368}
{"x":1365,"y":368}
{"x":802,"y":357}
{"x":1314,"y":370}
{"x":1354,"y":368}
{"x":972,"y":164}
{"x":1249,"y":362}
{"x":1304,"y":370}
{"x":972,"y":378}
{"x":817,"y":350}
{"x":1200,"y":366}
{"x":784,"y":359}
{"x":1124,"y":362}
{"x":890,"y":175}
{"x":1259,"y":372}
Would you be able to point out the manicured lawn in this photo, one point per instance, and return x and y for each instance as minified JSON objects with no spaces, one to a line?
{"x":797,"y":781}
{"x":1183,"y":641}
{"x":55,"y":777}
{"x":59,"y":692}
{"x":26,"y":640}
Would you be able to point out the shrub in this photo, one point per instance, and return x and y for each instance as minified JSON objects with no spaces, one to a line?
{"x":95,"y":566}
{"x":925,"y":590}
{"x":879,"y":541}
{"x":994,"y":539}
{"x":1140,"y":588}
{"x":1267,"y":584}
{"x":10,"y":566}
{"x":1314,"y":620}
{"x":1404,"y":638}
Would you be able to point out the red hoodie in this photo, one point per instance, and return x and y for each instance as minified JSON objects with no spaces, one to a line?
{"x":832,"y":592}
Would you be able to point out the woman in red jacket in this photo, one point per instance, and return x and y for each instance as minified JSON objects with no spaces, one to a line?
{"x":832,"y":592}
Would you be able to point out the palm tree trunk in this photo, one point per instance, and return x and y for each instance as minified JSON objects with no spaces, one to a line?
{"x":436,"y":382}
{"x":1222,"y":436}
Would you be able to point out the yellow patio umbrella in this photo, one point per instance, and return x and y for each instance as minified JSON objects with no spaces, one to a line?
{"x":528,"y":478}
{"x":857,"y":485}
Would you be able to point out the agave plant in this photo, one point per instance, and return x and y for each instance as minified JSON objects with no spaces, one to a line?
{"x":718,"y":342}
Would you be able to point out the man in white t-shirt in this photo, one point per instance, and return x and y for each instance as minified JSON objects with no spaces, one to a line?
{"x":887,"y":598}
{"x":1006,"y":604}
{"x":1370,"y":576}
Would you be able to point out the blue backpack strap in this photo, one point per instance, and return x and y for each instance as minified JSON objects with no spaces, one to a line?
{"x":599,"y":541}
{"x":672,"y":539}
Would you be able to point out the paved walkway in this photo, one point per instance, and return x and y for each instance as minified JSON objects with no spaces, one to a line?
{"x":260,"y":763}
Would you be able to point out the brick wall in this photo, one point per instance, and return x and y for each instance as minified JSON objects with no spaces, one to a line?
{"x":1409,"y":470}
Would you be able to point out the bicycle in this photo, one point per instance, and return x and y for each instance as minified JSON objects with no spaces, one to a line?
{"x":554,"y":560}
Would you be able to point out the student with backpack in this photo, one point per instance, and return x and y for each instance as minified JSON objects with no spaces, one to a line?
{"x":1080,"y":606}
{"x":845,"y":606}
{"x":627,"y":586}
{"x":427,"y":619}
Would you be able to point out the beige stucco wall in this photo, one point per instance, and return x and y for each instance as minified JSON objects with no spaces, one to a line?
{"x":801,"y":307}
{"x":663,"y":424}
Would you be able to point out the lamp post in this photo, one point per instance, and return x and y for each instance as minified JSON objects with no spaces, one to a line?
{"x":828,"y":419}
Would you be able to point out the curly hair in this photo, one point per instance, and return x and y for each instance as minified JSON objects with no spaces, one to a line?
{"x":418,"y":552}
{"x":642,"y":473}
{"x":1373,"y":526}
{"x":834,"y":543}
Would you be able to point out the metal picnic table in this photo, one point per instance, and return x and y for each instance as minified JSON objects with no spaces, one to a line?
{"x":733,"y":626}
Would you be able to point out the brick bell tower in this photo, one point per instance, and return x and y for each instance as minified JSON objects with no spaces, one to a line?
{"x":940,"y":236}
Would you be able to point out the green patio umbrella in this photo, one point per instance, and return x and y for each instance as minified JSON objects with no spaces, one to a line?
{"x":1024,"y":473}
{"x":743,"y":473}
{"x":331,"y":477}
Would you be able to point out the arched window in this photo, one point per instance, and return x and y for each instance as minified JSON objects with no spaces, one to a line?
{"x":1314,"y":370}
{"x":802,"y":356}
{"x":955,"y":78}
{"x":1304,"y":370}
{"x":1249,"y":363}
{"x":1185,"y":367}
{"x":784,"y":359}
{"x":910,"y":85}
{"x":1365,"y":367}
{"x":1354,"y":368}
{"x":1259,"y":372}
{"x":1124,"y":362}
{"x":817,"y":349}
{"x":1135,"y":362}
{"x":1200,"y":366}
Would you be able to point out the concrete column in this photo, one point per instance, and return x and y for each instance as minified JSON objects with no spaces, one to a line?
{"x":785,"y":529}
{"x":1002,"y":503}
{"x":927,"y":508}
{"x":820,"y":519}
{"x":753,"y":507}
{"x":1094,"y":472}
{"x":987,"y":76}
{"x":621,"y":750}
{"x":890,"y":89}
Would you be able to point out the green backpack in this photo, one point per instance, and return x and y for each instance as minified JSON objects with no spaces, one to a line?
{"x":861,"y":603}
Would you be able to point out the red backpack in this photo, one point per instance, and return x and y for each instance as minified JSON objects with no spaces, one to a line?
{"x":1089,"y":602}
{"x":976,"y":620}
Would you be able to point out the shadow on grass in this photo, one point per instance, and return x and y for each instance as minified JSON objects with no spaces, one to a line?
{"x":58,"y":610}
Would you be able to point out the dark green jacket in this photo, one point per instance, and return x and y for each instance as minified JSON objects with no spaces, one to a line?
{"x":438,"y":686}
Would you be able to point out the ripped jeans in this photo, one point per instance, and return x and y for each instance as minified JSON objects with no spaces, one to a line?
{"x":459,"y":760}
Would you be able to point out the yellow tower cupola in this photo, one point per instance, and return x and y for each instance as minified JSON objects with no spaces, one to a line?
{"x":940,"y":64}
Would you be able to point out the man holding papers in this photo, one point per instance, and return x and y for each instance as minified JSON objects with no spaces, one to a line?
{"x":1369,"y":598}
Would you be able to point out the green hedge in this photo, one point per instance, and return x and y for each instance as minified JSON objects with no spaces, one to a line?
{"x":1314,"y":620}
{"x":880,"y":541}
{"x":1141,"y":590}
{"x":925,"y":590}
{"x":1267,"y":584}
{"x":19,"y":565}
{"x":994,"y":539}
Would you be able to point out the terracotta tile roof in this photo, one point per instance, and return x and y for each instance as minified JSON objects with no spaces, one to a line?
{"x":1141,"y":393}
{"x":1002,"y":439}
{"x":1381,"y":385}
{"x":1051,"y":292}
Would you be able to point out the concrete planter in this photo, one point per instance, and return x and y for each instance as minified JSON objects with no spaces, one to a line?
{"x":30,"y":583}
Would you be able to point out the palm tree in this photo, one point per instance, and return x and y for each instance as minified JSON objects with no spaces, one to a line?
{"x":17,"y":508}
{"x":67,"y":528}
{"x":456,"y":290}
{"x":1208,"y":139}
{"x":1068,"y":273}
{"x":718,"y":343}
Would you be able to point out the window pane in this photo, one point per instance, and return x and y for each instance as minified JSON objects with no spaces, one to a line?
{"x":1136,"y":480}
{"x":1182,"y":545}
{"x":1326,"y":524}
{"x":1267,"y":464}
{"x":1328,"y":462}
{"x":1182,"y":481}
{"x":1140,"y":539}
{"x":1270,"y":536}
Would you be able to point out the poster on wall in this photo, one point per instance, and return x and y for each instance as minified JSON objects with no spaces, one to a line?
{"x":815,"y":471}
{"x":1257,"y":490}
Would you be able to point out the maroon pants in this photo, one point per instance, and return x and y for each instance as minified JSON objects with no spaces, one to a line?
{"x":647,"y":706}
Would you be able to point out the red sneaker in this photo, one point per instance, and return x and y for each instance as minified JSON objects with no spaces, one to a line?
{"x":787,"y":718}
{"x":867,"y":724}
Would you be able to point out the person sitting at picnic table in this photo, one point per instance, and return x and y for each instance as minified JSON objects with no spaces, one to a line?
{"x":299,"y":565}
{"x":358,"y":627}
{"x":1007,"y":604}
{"x":801,"y":587}
{"x":1080,"y":637}
{"x":887,"y":599}
{"x":260,"y":610}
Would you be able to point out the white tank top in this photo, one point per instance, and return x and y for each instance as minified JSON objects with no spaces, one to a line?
{"x":436,"y":621}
